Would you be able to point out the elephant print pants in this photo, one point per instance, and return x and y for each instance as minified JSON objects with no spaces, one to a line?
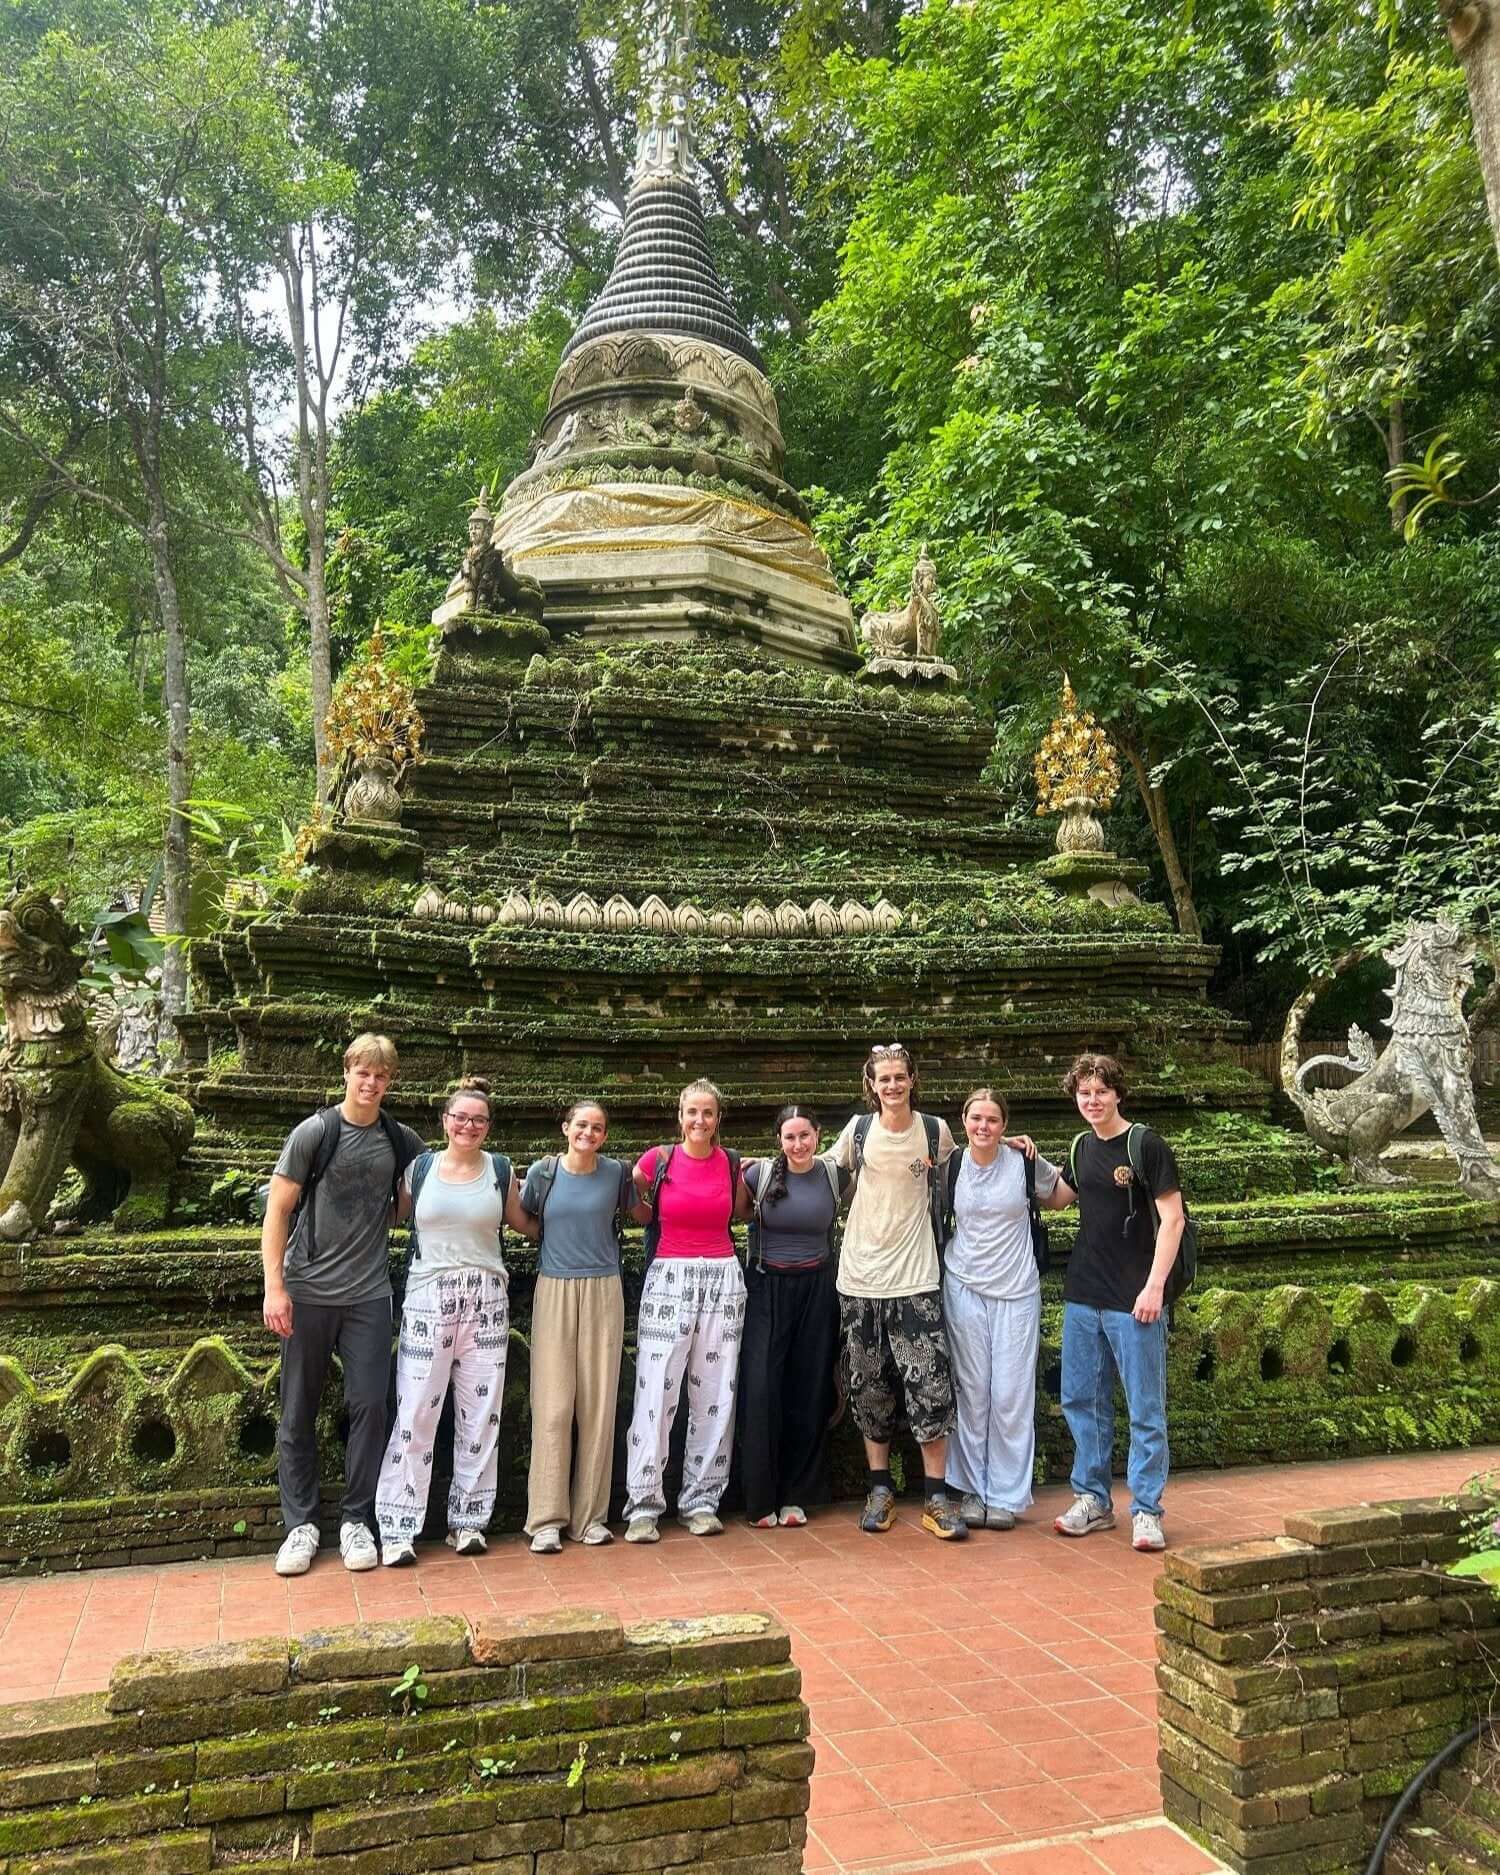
{"x":691,"y":1322}
{"x":455,"y":1325}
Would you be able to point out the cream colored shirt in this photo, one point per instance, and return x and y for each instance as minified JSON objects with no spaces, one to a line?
{"x":888,"y":1248}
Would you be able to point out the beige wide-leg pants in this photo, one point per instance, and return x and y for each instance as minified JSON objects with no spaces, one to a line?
{"x":577,"y":1337}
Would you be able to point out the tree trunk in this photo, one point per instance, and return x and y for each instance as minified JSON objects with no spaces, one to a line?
{"x":177,"y":868}
{"x":1394,"y":430}
{"x":1154,"y":799}
{"x":1474,"y":33}
{"x":313,"y":385}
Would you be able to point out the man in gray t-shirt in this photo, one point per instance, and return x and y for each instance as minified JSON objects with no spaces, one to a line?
{"x":326,"y":1261}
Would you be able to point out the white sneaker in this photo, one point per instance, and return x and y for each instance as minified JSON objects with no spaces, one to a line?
{"x":971,"y":1509}
{"x":547,"y":1542}
{"x":642,"y":1530}
{"x":298,"y":1548}
{"x":467,"y":1542}
{"x":1146,"y":1531}
{"x":701,"y":1523}
{"x":396,"y":1555}
{"x":596,"y":1534}
{"x":357,"y":1547}
{"x":1084,"y":1516}
{"x":793,"y":1516}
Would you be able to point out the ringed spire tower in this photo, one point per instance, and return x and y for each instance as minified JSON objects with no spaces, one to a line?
{"x":654,"y":504}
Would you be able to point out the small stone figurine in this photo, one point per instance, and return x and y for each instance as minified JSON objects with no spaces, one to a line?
{"x":905,"y":643}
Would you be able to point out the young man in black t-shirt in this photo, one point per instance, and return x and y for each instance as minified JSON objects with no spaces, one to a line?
{"x":1114,"y":1319}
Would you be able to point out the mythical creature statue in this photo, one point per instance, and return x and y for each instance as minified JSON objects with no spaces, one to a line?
{"x":486,"y":582}
{"x":914,"y":631}
{"x":1426,"y":1067}
{"x":60,"y":1101}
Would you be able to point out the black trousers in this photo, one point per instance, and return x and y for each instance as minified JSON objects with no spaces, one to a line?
{"x":786,"y":1385}
{"x":361,"y":1336}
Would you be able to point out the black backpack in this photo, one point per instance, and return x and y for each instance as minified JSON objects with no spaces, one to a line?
{"x":332,"y":1122}
{"x":934,"y":1183}
{"x":545,"y":1174}
{"x":1185,"y":1268}
{"x":1041,"y":1246}
{"x":659,"y":1178}
{"x":423,"y":1164}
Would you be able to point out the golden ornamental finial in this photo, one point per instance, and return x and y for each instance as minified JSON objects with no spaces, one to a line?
{"x":373,"y":713}
{"x":1075,"y":766}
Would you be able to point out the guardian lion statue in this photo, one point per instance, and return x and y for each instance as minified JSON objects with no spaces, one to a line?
{"x":1426,"y":1067}
{"x":60,"y":1100}
{"x":916,"y":630}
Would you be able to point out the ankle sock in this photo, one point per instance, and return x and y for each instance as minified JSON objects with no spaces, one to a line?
{"x":881,"y":1477}
{"x":935,"y":1487}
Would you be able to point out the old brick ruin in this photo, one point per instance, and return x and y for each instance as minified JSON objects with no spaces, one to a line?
{"x":1305,"y":1678}
{"x":536,"y":1745}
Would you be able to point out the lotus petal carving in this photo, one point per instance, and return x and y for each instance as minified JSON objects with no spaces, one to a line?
{"x":582,"y":913}
{"x":724,"y":924}
{"x":884,"y":915}
{"x":429,"y":904}
{"x":619,"y":914}
{"x":855,"y":919}
{"x":655,"y":914}
{"x":824,"y":919}
{"x":791,"y":920}
{"x":548,"y":912}
{"x":687,"y":919}
{"x":515,"y":908}
{"x":484,"y":914}
{"x":757,"y":921}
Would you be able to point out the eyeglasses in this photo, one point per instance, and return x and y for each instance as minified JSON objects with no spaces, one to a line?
{"x":470,"y":1122}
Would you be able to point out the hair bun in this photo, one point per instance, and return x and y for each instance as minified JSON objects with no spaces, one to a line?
{"x":473,"y":1084}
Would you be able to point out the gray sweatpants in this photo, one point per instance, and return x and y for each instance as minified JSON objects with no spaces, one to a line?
{"x":360,"y":1333}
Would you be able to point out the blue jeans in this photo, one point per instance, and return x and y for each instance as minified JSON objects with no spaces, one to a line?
{"x":1097,"y":1344}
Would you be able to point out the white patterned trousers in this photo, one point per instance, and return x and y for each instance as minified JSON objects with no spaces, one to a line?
{"x":455,"y":1326}
{"x":993,"y":1345}
{"x":691,"y":1323}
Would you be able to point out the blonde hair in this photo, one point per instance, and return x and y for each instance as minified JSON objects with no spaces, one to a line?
{"x":988,"y":1093}
{"x":371,"y":1050}
{"x":702,"y":1086}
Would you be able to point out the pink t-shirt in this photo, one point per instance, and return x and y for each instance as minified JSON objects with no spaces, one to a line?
{"x":695,"y":1203}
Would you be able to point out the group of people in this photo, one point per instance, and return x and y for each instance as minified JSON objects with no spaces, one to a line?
{"x":929,"y":1308}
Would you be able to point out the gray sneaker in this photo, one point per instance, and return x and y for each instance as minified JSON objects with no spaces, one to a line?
{"x":971,"y":1509}
{"x":547,"y":1541}
{"x":298,"y":1548}
{"x":1146,"y":1531}
{"x":642,"y":1530}
{"x":701,"y":1523}
{"x":1084,"y":1516}
{"x":996,"y":1517}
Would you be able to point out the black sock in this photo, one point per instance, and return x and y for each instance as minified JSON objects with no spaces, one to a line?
{"x":881,"y":1477}
{"x":936,"y":1487}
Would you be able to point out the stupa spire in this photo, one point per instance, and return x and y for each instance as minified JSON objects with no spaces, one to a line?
{"x":664,"y":146}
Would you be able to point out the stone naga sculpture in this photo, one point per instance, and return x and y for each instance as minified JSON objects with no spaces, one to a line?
{"x":60,"y":1100}
{"x":1426,"y":1067}
{"x":914,"y":631}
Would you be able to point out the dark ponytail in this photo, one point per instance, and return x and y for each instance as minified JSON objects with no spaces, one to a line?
{"x":776,"y":1180}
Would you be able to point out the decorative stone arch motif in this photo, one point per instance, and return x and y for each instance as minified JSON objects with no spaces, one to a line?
{"x":655,"y":917}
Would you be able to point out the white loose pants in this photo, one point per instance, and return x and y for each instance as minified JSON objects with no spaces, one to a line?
{"x":455,"y":1326}
{"x":691,"y":1322}
{"x":993,"y":1345}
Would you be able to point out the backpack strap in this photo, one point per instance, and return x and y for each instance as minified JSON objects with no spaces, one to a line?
{"x":504,"y":1174}
{"x":653,"y":1198}
{"x":932,"y":1128}
{"x":1078,"y":1139}
{"x":401,"y":1147}
{"x":949,"y":1193}
{"x":332,"y":1123}
{"x":861,"y":1133}
{"x":420,"y":1167}
{"x":545,"y":1174}
{"x":734,"y":1187}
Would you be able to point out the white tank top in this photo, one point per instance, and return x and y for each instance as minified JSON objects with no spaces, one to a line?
{"x":458,"y":1226}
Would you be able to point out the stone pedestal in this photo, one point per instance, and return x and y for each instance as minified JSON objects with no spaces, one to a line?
{"x":907,"y":671}
{"x":1102,"y":876}
{"x":486,"y":648}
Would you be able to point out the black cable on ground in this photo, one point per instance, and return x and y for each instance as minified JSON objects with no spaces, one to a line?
{"x":1403,"y":1803}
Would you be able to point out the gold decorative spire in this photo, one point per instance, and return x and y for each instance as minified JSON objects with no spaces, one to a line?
{"x":1075,"y":767}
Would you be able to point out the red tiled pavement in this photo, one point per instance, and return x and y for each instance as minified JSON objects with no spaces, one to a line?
{"x":982,"y":1708}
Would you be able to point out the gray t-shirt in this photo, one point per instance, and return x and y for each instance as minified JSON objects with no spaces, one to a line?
{"x":991,"y":1248}
{"x":794,"y":1228}
{"x":578,"y":1229}
{"x":353,"y":1206}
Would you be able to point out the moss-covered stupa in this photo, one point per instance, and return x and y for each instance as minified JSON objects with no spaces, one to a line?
{"x":666,"y":828}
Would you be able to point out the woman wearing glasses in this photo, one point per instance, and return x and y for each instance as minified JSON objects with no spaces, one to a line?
{"x":454,"y":1326}
{"x":890,"y":1299}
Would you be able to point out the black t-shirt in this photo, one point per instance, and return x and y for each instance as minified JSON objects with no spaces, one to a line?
{"x":1113,"y":1251}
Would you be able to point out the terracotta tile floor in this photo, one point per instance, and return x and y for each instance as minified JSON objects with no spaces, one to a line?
{"x":985,"y":1706}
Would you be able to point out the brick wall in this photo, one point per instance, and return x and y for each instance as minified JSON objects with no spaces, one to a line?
{"x":541,"y":1745}
{"x":1304,"y":1678}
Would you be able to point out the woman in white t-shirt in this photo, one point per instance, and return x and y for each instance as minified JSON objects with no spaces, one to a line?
{"x":455,"y":1325}
{"x":895,"y":1350}
{"x":992,"y":1300}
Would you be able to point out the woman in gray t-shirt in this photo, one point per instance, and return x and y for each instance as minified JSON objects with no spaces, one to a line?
{"x":992,"y":1299}
{"x":579,"y":1199}
{"x":791,"y":1324}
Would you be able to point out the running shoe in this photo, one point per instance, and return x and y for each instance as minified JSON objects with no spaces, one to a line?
{"x":1084,"y":1516}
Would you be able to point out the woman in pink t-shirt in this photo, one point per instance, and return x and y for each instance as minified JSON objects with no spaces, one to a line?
{"x":692,"y":1316}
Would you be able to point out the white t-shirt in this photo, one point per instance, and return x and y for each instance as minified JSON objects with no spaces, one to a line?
{"x":990,"y":1251}
{"x":888,"y":1245}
